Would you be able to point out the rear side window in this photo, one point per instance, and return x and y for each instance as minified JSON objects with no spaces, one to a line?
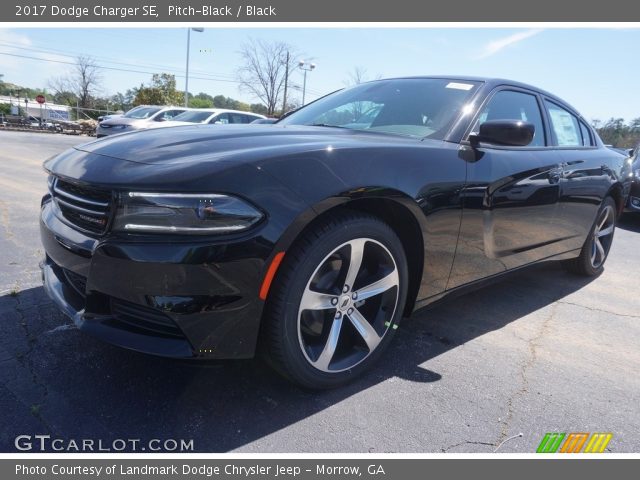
{"x":565,"y":126}
{"x":587,"y":138}
{"x":238,"y":118}
{"x":512,"y":105}
{"x":168,"y":115}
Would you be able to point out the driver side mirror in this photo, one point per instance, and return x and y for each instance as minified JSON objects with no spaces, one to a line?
{"x":510,"y":133}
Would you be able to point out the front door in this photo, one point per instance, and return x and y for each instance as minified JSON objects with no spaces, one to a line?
{"x":511,"y":197}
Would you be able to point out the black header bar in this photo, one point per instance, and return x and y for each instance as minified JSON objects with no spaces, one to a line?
{"x":229,"y":11}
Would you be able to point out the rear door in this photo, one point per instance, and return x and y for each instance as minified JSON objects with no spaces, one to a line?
{"x":511,"y":197}
{"x":586,"y":175}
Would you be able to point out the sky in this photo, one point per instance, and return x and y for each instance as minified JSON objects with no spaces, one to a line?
{"x":595,"y":70}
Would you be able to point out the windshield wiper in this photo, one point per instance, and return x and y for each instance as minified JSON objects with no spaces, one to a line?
{"x":326,"y":125}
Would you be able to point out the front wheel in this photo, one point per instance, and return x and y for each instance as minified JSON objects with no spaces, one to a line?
{"x":596,"y":248}
{"x":336,"y":301}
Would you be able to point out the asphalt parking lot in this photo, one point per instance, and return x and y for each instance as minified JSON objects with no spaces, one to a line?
{"x":541,"y":351}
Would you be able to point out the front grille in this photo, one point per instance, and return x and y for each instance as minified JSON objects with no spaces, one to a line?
{"x":143,"y":319}
{"x":87,"y":208}
{"x":78,"y":282}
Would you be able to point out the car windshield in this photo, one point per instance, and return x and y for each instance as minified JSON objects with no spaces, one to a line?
{"x":417,"y":107}
{"x":142,"y":112}
{"x":193,"y":116}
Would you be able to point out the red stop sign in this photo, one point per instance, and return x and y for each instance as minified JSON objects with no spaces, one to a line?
{"x":40,"y":99}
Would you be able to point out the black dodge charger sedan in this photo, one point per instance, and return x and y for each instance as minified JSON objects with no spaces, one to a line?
{"x":310,"y":239}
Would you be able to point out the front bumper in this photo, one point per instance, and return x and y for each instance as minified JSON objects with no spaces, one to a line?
{"x":633,"y":200}
{"x":633,"y":205}
{"x":181,"y":299}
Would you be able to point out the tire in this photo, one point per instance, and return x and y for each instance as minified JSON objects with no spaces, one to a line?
{"x":596,"y":247}
{"x":319,"y":331}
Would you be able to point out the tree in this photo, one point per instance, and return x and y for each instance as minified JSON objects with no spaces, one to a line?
{"x":263,"y":71}
{"x":196,"y":102}
{"x":356,"y":76}
{"x":359,"y":75}
{"x":258,"y":108}
{"x":615,"y":132}
{"x":161,"y":91}
{"x":122,"y":101}
{"x":80,"y":86}
{"x":86,"y":80}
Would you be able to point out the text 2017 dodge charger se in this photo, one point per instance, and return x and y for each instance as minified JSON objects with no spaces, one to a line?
{"x":310,"y":239}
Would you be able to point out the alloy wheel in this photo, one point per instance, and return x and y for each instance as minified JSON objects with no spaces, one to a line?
{"x":602,"y":236}
{"x":348,"y":305}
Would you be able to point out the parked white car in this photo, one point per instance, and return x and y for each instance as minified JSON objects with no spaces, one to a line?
{"x":211,"y":116}
{"x":144,"y":116}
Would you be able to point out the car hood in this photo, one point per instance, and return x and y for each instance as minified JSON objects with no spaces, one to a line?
{"x":205,"y":143}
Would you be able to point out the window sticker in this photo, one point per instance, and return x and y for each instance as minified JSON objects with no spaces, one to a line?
{"x":564,"y":127}
{"x":459,"y":86}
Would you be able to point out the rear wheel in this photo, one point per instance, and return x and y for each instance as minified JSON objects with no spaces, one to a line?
{"x":596,"y":248}
{"x":337,"y":300}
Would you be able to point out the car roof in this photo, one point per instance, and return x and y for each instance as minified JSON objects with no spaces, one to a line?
{"x":161,"y":107}
{"x":225,"y":110}
{"x":191,"y":109}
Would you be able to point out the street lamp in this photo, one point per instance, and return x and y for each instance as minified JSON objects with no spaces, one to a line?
{"x":306,"y":68}
{"x":186,"y":81}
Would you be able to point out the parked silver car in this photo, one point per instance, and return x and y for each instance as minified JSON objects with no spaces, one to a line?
{"x":142,"y":117}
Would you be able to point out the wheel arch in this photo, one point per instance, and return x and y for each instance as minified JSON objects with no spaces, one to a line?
{"x":395,"y":208}
{"x":616,"y":191}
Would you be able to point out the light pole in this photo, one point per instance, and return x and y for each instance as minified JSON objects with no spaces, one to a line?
{"x":286,"y":84}
{"x":303,"y":66}
{"x":186,"y":77}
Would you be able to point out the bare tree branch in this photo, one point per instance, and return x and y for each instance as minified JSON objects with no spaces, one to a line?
{"x":86,"y":79}
{"x":81,"y":85}
{"x":263,"y":70}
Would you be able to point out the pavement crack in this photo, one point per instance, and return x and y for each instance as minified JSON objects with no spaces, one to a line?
{"x":466,"y":442}
{"x":532,"y":345}
{"x":593,"y":309}
{"x":4,"y":221}
{"x":27,"y":360}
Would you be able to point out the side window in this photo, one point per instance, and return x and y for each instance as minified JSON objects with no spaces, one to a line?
{"x":168,"y":115}
{"x":222,"y":118}
{"x":237,"y":118}
{"x":587,"y":140}
{"x":512,"y":105}
{"x":565,"y":125}
{"x":173,"y":113}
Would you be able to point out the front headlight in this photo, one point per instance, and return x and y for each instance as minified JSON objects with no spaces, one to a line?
{"x":184,"y":213}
